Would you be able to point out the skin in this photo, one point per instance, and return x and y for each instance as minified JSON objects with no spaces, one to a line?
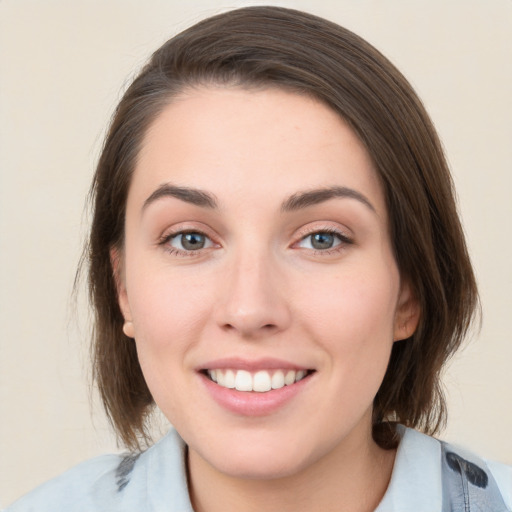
{"x":260,"y":289}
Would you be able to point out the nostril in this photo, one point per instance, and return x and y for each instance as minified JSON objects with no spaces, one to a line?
{"x":247,"y":330}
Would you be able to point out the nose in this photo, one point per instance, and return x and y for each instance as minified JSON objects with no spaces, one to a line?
{"x":252,"y":300}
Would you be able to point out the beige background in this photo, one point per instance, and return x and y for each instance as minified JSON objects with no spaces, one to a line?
{"x":62,"y":66}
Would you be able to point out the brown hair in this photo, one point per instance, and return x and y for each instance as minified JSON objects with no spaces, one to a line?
{"x":292,"y":50}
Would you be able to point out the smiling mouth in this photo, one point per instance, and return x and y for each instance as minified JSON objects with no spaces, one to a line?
{"x":261,"y":381}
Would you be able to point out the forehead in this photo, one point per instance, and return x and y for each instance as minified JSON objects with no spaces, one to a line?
{"x":252,"y":142}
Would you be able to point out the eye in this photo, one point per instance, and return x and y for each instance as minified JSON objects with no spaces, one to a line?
{"x":323,"y":240}
{"x":188,"y":241}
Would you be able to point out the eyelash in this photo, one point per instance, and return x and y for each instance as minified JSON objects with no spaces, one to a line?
{"x":173,"y":251}
{"x":342,"y":237}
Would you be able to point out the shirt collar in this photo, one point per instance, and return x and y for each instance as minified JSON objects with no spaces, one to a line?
{"x":167,"y":484}
{"x":416,"y":482}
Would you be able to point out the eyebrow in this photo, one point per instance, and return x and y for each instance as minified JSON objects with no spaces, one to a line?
{"x":312,"y":197}
{"x":186,"y":194}
{"x":295,"y":202}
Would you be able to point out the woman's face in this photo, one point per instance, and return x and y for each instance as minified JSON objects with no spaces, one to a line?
{"x":257,"y":255}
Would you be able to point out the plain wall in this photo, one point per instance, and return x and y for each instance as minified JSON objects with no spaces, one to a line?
{"x":62,"y":67}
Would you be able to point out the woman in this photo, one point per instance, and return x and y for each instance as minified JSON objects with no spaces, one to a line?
{"x":277,"y":263}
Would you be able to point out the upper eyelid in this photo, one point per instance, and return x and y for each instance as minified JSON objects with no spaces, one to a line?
{"x":174,"y":234}
{"x":187,"y":227}
{"x":324,"y":228}
{"x":327,"y":229}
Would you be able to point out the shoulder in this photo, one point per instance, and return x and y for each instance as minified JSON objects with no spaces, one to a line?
{"x":480,"y":480}
{"x":461,"y":460}
{"x":114,"y":482}
{"x":503,"y":476}
{"x":75,"y":489}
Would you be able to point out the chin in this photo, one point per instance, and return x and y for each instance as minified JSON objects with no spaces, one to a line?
{"x":261,"y":468}
{"x":258,"y":460}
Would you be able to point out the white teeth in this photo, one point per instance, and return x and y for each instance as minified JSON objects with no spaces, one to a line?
{"x":289,"y":378}
{"x":278,"y":380}
{"x":229,"y":379}
{"x":221,"y":381}
{"x":243,"y":381}
{"x":261,"y":381}
{"x":300,"y":375}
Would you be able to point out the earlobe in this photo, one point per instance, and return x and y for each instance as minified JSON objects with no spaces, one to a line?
{"x":122,"y":296}
{"x":128,"y":329}
{"x":407,"y":314}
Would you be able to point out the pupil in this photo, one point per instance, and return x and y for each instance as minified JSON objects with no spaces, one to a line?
{"x":322,"y":240}
{"x":192,"y":241}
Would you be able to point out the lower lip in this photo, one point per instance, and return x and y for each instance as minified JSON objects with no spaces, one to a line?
{"x":253,"y":403}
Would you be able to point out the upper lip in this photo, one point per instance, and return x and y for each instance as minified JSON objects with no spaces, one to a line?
{"x":235,"y":363}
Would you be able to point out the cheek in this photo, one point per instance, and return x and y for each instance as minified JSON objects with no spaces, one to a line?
{"x":353,"y":323}
{"x":168,"y":308}
{"x":169,"y":316}
{"x":352,"y":308}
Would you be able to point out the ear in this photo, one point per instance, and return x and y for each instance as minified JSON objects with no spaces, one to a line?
{"x":407,"y":315}
{"x":122,"y":296}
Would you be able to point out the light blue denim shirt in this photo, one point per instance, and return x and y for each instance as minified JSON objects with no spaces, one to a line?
{"x":427,"y":477}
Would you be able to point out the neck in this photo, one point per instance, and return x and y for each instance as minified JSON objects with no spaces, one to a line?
{"x":348,"y":479}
